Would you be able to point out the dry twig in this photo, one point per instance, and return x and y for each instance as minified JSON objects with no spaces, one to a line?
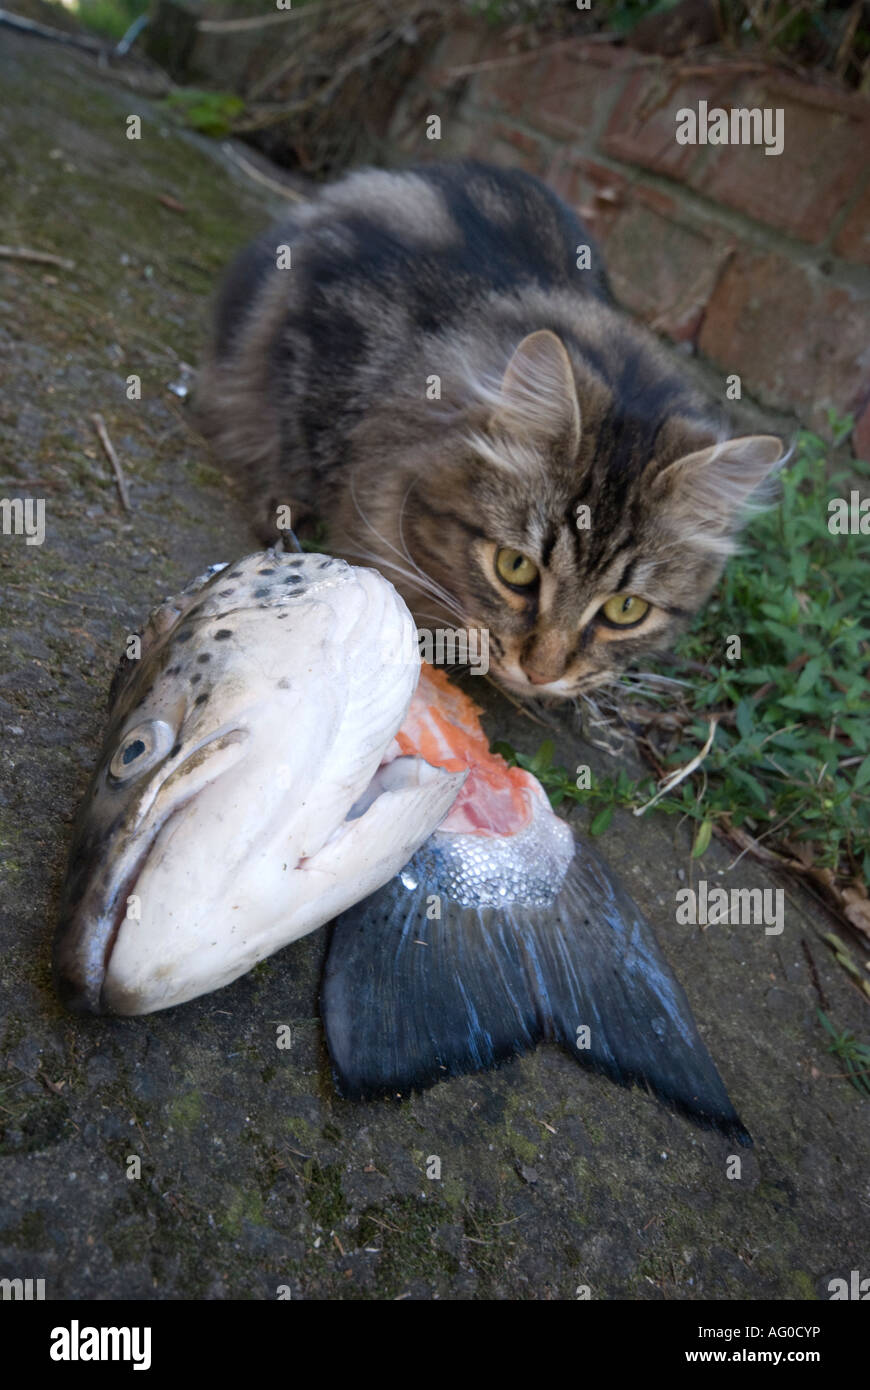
{"x":108,"y":446}
{"x":23,"y":253}
{"x":254,"y":173}
{"x":673,"y":779}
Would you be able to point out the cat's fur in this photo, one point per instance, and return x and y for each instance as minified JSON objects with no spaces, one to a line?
{"x":319,"y":383}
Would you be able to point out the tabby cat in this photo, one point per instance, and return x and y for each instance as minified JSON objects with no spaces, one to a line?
{"x":441,"y":372}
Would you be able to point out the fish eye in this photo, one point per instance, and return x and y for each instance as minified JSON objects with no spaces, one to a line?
{"x":624,"y":610}
{"x":515,"y":568}
{"x":141,"y":749}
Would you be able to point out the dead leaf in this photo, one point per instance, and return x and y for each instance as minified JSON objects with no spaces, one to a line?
{"x":171,"y":203}
{"x":858,"y":913}
{"x":855,"y":890}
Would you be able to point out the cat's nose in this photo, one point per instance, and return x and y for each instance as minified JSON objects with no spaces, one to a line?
{"x":538,"y":677}
{"x":545,"y":656}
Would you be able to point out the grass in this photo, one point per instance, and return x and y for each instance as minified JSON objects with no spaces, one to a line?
{"x":788,"y":773}
{"x":855,"y":1056}
{"x":210,"y":113}
{"x":108,"y":18}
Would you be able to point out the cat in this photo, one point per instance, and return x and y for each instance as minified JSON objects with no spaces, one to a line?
{"x":439,"y":375}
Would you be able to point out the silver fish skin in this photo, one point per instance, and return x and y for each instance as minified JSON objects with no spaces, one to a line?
{"x":236,"y":804}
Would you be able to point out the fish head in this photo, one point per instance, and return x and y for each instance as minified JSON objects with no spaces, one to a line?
{"x":254,"y":718}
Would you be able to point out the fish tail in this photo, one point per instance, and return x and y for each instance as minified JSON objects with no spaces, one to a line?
{"x":419,"y":987}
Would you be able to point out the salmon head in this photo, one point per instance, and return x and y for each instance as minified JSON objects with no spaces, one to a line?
{"x":236,"y":803}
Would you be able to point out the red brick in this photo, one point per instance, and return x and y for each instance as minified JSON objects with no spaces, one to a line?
{"x":643,"y":126}
{"x":564,"y":91}
{"x":594,"y":191}
{"x":512,"y":85}
{"x":506,"y":144}
{"x":579,"y":178}
{"x":659,"y":202}
{"x":576,"y":90}
{"x":853,"y":240}
{"x":798,"y":341}
{"x":800,"y":190}
{"x":662,"y":269}
{"x":663,"y":261}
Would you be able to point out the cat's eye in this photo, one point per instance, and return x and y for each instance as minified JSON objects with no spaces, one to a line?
{"x":515,"y":568}
{"x":624,"y":610}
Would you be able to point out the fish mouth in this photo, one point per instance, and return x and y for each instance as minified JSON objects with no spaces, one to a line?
{"x":86,"y":936}
{"x":84,"y":944}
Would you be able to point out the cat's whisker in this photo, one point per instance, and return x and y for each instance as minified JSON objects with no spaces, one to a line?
{"x":423,"y":579}
{"x":406,"y":552}
{"x":652,"y":678}
{"x":419,"y":581}
{"x":374,"y":530}
{"x":447,"y":598}
{"x":435,"y":588}
{"x":597,"y":727}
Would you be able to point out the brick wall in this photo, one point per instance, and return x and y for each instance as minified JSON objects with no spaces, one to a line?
{"x":759,"y":263}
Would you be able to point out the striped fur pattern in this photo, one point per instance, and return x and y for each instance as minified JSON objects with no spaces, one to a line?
{"x":436,"y":376}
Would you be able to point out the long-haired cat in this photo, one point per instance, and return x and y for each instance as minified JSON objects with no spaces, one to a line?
{"x":432,"y":361}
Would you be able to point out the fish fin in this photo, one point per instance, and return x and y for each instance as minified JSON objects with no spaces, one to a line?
{"x":410,"y":998}
{"x":373,"y":846}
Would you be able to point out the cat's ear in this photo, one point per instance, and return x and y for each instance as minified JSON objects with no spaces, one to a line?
{"x":707,"y":491}
{"x":538,"y":394}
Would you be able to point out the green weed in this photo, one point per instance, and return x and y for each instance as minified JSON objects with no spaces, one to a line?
{"x":211,"y":113}
{"x":854,"y":1055}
